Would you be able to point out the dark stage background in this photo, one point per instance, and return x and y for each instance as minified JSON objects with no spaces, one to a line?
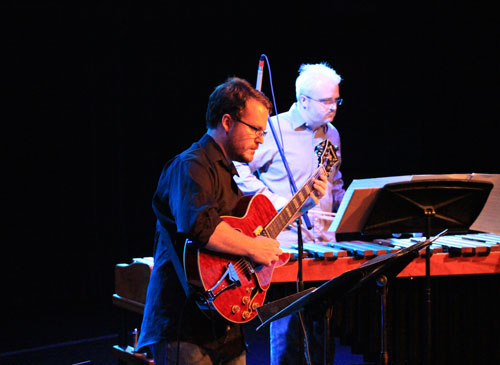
{"x":101,"y":94}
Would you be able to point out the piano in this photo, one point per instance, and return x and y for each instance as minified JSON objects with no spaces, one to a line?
{"x":465,"y":279}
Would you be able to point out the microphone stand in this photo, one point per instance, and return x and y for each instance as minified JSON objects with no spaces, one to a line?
{"x":293,"y":186}
{"x":300,"y":242}
{"x":300,"y":288}
{"x":258,"y":86}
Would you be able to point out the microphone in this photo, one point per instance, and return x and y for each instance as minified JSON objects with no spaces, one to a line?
{"x":260,"y":72}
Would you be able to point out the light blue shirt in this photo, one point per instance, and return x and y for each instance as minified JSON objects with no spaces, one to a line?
{"x":266,"y":173}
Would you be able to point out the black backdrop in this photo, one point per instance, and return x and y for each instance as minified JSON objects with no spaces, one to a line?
{"x":101,"y":94}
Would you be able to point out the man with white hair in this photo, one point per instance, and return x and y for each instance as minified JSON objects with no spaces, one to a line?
{"x":299,"y":130}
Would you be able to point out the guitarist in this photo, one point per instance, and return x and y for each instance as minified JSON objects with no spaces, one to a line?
{"x":195,"y":189}
{"x":299,"y":130}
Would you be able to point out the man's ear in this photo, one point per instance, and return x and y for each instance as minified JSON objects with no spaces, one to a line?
{"x":227,"y":122}
{"x":303,"y":100}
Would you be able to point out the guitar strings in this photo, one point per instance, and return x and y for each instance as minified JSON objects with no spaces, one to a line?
{"x":242,"y":266}
{"x":280,"y":220}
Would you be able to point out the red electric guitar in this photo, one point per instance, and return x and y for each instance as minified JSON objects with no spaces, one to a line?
{"x":234,"y":286}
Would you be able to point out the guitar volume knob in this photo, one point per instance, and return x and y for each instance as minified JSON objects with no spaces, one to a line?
{"x":235,"y":309}
{"x":245,"y":300}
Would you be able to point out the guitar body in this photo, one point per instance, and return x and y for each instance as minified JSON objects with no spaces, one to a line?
{"x":232,"y":285}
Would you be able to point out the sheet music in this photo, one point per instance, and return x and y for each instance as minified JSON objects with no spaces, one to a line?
{"x":489,"y":218}
{"x":361,"y":194}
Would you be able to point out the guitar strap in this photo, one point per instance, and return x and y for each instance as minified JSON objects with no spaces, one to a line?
{"x":174,"y":258}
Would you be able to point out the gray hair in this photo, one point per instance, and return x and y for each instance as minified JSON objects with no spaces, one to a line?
{"x":311,"y":74}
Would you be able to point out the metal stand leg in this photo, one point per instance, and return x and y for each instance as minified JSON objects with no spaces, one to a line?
{"x":327,"y":352}
{"x":382,"y":283}
{"x":430,"y":213}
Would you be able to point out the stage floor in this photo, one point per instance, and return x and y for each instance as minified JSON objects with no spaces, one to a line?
{"x":72,"y":338}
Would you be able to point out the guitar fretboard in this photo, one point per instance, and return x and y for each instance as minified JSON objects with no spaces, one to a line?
{"x":285,"y":215}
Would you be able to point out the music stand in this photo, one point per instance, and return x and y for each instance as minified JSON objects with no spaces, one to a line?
{"x":378,"y":268}
{"x":427,"y":207}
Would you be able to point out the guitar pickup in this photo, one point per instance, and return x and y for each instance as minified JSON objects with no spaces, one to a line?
{"x":258,"y":231}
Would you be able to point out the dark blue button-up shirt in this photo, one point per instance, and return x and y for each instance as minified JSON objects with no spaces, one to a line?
{"x":195,"y":189}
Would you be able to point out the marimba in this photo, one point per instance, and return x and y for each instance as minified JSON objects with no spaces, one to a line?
{"x":465,"y":258}
{"x":465,"y":282}
{"x":450,"y":255}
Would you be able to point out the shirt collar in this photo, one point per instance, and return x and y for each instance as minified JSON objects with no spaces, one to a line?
{"x":215,"y":153}
{"x":297,"y":121}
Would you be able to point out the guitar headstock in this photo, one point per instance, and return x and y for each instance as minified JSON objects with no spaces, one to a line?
{"x":327,"y":157}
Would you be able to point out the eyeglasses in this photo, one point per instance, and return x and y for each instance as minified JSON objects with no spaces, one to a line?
{"x":258,"y":132}
{"x":327,"y":102}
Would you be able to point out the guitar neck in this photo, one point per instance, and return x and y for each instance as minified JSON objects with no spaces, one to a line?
{"x":285,"y":215}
